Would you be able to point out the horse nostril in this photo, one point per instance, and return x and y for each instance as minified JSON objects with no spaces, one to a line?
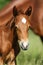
{"x":22,"y":45}
{"x":27,"y":46}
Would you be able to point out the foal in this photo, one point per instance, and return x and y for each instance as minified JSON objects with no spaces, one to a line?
{"x":19,"y":24}
{"x":22,"y":25}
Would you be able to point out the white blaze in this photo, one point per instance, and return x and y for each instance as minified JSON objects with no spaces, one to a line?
{"x":23,"y":20}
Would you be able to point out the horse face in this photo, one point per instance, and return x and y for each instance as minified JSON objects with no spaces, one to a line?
{"x":22,"y":25}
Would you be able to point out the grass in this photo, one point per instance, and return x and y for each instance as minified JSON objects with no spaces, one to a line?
{"x":34,"y":55}
{"x":3,"y":3}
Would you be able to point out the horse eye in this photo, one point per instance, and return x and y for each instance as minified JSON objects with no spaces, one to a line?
{"x":16,"y":28}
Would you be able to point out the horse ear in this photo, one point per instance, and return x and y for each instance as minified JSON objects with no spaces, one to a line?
{"x":29,"y":10}
{"x":15,"y":12}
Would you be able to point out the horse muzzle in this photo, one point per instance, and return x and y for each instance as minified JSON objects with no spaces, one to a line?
{"x":24,"y":44}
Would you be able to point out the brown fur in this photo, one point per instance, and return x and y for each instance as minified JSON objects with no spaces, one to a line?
{"x":6,"y":38}
{"x":37,"y":12}
{"x":6,"y":32}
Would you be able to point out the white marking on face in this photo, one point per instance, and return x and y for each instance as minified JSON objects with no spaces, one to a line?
{"x":23,"y":20}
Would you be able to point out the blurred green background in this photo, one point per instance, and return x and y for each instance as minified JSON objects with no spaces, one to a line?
{"x":34,"y":55}
{"x":3,"y":3}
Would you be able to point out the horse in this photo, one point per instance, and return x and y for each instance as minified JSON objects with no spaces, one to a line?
{"x":37,"y":12}
{"x":11,"y":29}
{"x":17,"y":19}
